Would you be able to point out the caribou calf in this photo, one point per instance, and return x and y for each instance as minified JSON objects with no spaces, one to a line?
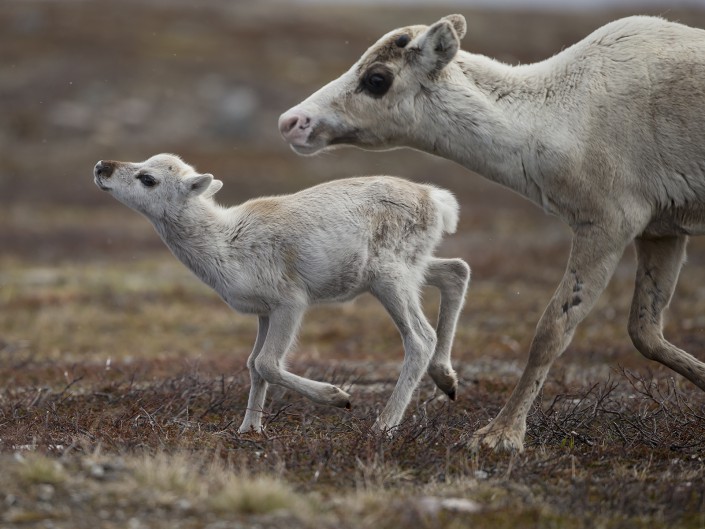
{"x":276,"y":256}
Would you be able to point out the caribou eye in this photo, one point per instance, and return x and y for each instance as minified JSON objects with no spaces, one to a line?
{"x":147,"y":180}
{"x":376,"y":83}
{"x":402,"y":41}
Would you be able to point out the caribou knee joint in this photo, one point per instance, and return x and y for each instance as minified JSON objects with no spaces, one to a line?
{"x":268,"y":370}
{"x":644,"y":340}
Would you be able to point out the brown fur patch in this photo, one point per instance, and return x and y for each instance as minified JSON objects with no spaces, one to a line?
{"x":290,"y":258}
{"x":263,"y":206}
{"x":384,"y":53}
{"x":405,"y":213}
{"x":389,"y":52}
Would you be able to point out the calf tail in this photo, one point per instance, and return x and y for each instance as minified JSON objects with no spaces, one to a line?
{"x":448,"y":208}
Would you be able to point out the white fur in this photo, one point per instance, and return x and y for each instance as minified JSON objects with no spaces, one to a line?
{"x":448,"y":207}
{"x":609,"y":135}
{"x":276,"y":256}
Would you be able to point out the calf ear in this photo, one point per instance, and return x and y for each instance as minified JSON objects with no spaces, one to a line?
{"x":215,"y":186}
{"x":459,"y":24}
{"x":196,"y":185}
{"x":438,"y":45}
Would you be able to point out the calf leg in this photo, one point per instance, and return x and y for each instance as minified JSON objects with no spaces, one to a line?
{"x":258,"y":386}
{"x":283,"y":325}
{"x":401,"y":299}
{"x":593,"y":258}
{"x":451,"y":277}
{"x":659,"y":263}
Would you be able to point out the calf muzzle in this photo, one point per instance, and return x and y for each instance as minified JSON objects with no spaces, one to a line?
{"x":104,"y":169}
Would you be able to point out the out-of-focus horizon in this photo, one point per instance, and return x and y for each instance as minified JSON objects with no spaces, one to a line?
{"x":82,"y":81}
{"x":534,"y":5}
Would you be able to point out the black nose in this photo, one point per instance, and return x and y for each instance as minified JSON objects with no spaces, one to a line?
{"x":104,"y":168}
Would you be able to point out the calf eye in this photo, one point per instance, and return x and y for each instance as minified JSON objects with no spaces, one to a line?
{"x":377,"y":83}
{"x":402,"y":41}
{"x":147,"y":180}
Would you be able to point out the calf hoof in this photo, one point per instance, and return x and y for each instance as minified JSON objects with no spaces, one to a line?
{"x":250,"y":428}
{"x":334,"y":396}
{"x":446,"y":380}
{"x":382,"y":427}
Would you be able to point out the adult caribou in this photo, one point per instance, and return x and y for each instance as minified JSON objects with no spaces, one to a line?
{"x":608,"y":135}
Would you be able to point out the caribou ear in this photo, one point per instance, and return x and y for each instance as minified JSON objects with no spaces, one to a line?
{"x":437,"y":46}
{"x":198,"y":184}
{"x":459,"y":24}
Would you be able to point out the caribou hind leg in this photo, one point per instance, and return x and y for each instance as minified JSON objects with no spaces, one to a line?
{"x":659,"y":264}
{"x":451,"y":277}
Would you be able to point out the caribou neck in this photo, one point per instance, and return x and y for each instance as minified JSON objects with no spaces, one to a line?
{"x":193,"y":235}
{"x":494,"y":116}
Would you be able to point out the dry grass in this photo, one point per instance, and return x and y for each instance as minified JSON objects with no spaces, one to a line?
{"x":626,"y":452}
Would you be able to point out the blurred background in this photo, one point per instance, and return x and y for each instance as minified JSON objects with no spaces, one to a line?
{"x":82,"y":81}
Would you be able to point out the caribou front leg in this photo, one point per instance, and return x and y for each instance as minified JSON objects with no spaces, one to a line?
{"x":594,"y":256}
{"x":258,"y":386}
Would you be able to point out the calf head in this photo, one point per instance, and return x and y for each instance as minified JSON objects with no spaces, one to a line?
{"x":376,"y":102}
{"x":158,"y":187}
